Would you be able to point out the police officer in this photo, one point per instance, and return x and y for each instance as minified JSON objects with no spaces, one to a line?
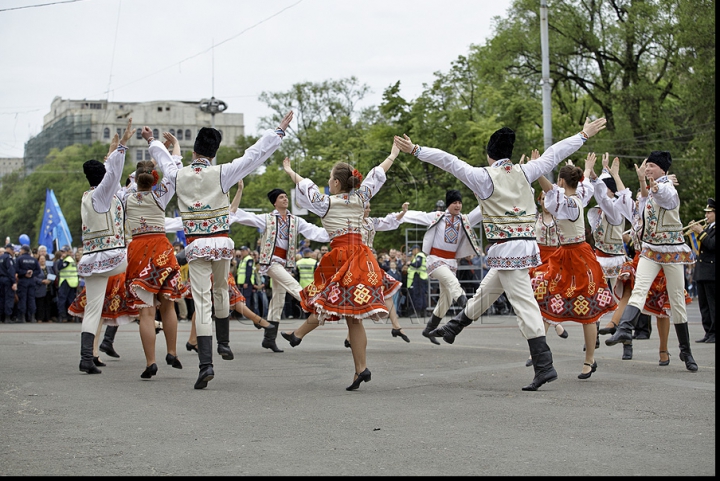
{"x":244,"y":279}
{"x":67,"y":282}
{"x":28,"y":273}
{"x":8,"y":284}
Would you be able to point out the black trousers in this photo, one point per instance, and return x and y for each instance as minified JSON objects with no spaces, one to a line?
{"x":706,"y":302}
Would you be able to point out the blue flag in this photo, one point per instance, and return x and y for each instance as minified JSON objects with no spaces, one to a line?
{"x":54,"y":227}
{"x":180,"y":235}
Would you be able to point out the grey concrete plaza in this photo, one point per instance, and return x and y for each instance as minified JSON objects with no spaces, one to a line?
{"x":429,"y":410}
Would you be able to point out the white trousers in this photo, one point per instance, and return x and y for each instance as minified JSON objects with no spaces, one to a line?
{"x":95,"y":287}
{"x":518,"y":289}
{"x":450,"y":289}
{"x":201,"y":285}
{"x":645,"y":274}
{"x":283,"y":282}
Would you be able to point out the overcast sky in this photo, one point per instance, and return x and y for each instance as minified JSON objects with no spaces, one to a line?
{"x":141,"y":50}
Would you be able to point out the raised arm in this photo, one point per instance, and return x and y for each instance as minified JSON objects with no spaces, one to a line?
{"x":238,"y":195}
{"x":403,"y":211}
{"x":297,"y":178}
{"x":170,"y":139}
{"x":388,"y":162}
{"x":615,"y":172}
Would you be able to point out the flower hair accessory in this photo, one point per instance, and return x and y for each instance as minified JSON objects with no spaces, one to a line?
{"x":155,"y":177}
{"x":582,"y":178}
{"x":357,"y":175}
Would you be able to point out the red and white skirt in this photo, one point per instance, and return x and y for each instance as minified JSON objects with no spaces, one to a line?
{"x":116,"y":310}
{"x":152,"y":267}
{"x":570,"y":286}
{"x":348,"y":282}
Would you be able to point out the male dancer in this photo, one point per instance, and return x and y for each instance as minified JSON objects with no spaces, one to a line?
{"x":278,"y":247}
{"x":449,"y":236}
{"x":663,"y":247}
{"x":507,"y":201}
{"x":202,"y":193}
{"x":103,"y":237}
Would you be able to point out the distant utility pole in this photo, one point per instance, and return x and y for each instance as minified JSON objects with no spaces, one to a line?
{"x":545,"y":82}
{"x":213,"y":106}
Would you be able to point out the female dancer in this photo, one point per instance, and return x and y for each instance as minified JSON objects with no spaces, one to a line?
{"x":370,"y":226}
{"x":569,"y":285}
{"x":348,"y":281}
{"x":153,"y":273}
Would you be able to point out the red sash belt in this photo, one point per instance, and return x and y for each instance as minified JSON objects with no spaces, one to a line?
{"x":280,"y":252}
{"x":191,"y":239}
{"x":442,"y":253}
{"x":346,"y":240}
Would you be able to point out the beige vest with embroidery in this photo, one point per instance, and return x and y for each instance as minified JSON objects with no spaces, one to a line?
{"x":509,"y":212}
{"x":143,"y":214}
{"x":345,"y":215}
{"x":572,"y":231}
{"x":102,"y":231}
{"x":470,"y":248}
{"x":661,"y":226}
{"x":203,"y":206}
{"x":546,"y":235}
{"x":267,"y":245}
{"x":608,"y":237}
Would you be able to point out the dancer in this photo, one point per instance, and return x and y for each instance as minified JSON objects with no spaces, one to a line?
{"x":663,"y":249}
{"x":449,"y":237}
{"x":201,"y":190}
{"x":506,"y":197}
{"x":392,"y":286}
{"x":348,"y":281}
{"x":278,"y":247}
{"x":569,"y":285}
{"x":153,"y":273}
{"x":103,"y":238}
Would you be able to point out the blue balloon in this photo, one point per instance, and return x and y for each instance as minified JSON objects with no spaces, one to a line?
{"x":24,"y":239}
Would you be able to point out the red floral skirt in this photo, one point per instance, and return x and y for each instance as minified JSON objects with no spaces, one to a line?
{"x":348,"y":282}
{"x":116,"y":310}
{"x":152,"y":266}
{"x":570,"y":286}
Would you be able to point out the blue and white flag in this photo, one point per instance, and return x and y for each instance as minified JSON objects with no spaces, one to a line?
{"x":54,"y":227}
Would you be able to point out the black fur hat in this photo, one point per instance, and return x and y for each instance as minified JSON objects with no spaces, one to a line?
{"x":274,"y":194}
{"x":501,"y":143}
{"x":452,"y":196}
{"x":94,"y":172}
{"x":661,"y":158}
{"x":207,"y":142}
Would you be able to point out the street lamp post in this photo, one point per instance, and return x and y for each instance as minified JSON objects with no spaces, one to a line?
{"x":213,"y":106}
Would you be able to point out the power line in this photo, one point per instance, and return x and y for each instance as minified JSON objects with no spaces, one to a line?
{"x":38,"y":5}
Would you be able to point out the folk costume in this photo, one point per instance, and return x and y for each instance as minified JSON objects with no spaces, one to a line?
{"x":103,"y":238}
{"x":202,"y":194}
{"x":448,"y":238}
{"x":348,"y":281}
{"x":663,"y":249}
{"x":508,"y":209}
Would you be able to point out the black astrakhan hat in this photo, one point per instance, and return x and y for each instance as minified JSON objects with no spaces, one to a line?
{"x":274,"y":194}
{"x":452,"y":196}
{"x":661,"y":158}
{"x":501,"y":143}
{"x":94,"y":172}
{"x":207,"y":142}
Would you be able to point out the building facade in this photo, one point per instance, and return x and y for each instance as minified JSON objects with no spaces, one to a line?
{"x":88,"y":121}
{"x":8,"y":165}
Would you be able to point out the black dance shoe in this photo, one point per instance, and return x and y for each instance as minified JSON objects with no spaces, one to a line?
{"x":593,"y":368}
{"x":98,"y":362}
{"x":293,"y":339}
{"x":191,"y":347}
{"x":362,"y":377}
{"x":173,"y":361}
{"x":149,"y":371}
{"x":347,"y":343}
{"x":398,"y":332}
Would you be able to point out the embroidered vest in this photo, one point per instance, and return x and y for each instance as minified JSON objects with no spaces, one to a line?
{"x":464,"y":249}
{"x":143,"y":215}
{"x":203,"y":206}
{"x":509,"y":212}
{"x":267,"y":245}
{"x":546,"y":235}
{"x":661,"y":226}
{"x":102,"y":231}
{"x":345,"y":215}
{"x":368,"y":232}
{"x":608,"y":237}
{"x":569,"y":231}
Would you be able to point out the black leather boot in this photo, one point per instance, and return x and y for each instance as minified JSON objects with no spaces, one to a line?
{"x":204,"y":344}
{"x":627,"y":352}
{"x":106,"y":345}
{"x":685,"y":353}
{"x":461,"y":301}
{"x":625,"y":326}
{"x":271,"y":332}
{"x":222,"y":332}
{"x":542,"y":364}
{"x":453,"y":327}
{"x":86,"y":353}
{"x":431,"y":326}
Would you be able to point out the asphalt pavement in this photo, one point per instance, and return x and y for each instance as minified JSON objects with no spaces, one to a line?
{"x":447,"y":410}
